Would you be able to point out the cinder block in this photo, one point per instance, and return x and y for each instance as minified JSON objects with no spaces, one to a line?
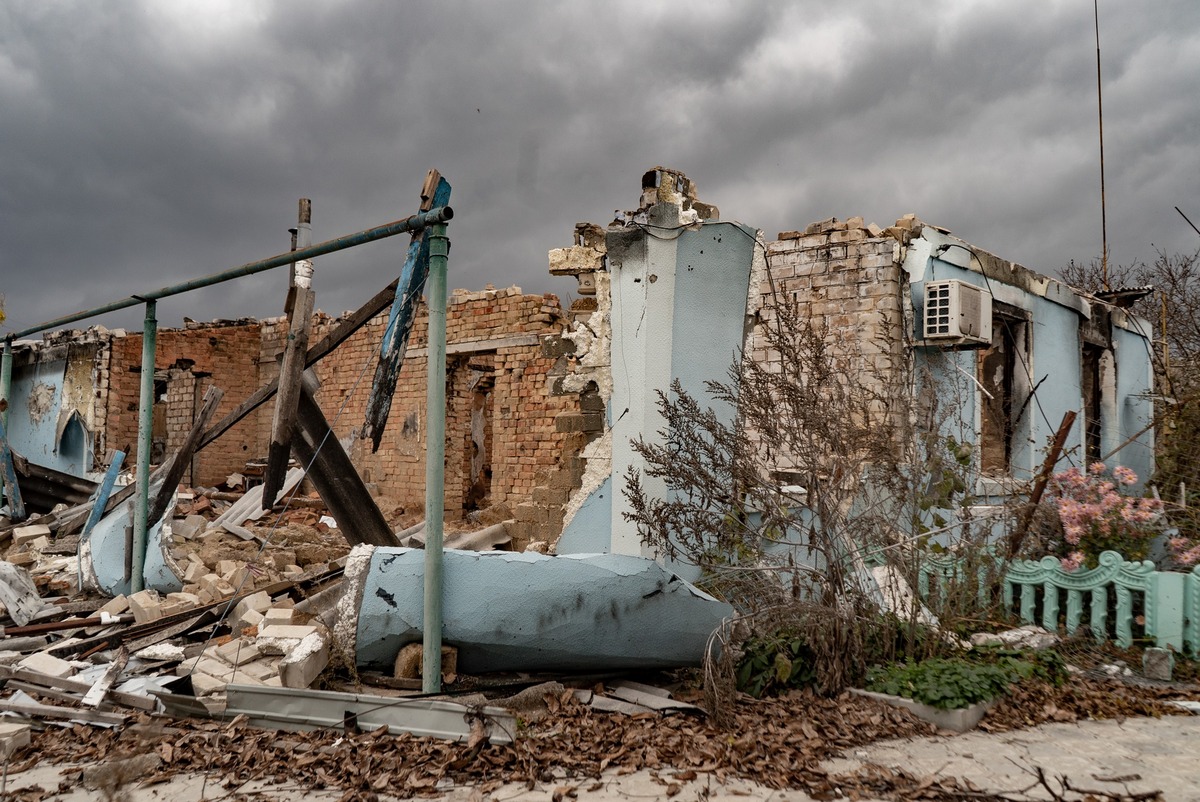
{"x":25,"y":534}
{"x":145,"y":606}
{"x":194,"y":572}
{"x":47,"y":664}
{"x":305,"y":662}
{"x":277,"y":616}
{"x":239,"y":651}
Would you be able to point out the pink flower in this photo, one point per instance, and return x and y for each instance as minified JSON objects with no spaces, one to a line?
{"x":1072,"y":561}
{"x":1124,"y":475}
{"x":1097,"y":468}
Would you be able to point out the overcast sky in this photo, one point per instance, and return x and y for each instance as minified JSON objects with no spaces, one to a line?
{"x":146,"y":143}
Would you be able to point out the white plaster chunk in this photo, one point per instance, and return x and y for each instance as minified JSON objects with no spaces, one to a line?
{"x":358,"y":565}
{"x":160,"y":652}
{"x":305,"y":662}
{"x":47,"y":664}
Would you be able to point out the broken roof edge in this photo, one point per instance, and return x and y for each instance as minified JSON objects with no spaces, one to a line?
{"x":942,"y":245}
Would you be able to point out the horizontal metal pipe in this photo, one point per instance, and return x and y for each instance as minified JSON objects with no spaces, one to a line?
{"x":417,"y":222}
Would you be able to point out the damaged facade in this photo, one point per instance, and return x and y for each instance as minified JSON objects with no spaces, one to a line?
{"x":543,"y":403}
{"x":75,"y":398}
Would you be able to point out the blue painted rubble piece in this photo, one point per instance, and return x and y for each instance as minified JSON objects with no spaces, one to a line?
{"x":400,"y":322}
{"x":508,"y":611}
{"x":104,"y":549}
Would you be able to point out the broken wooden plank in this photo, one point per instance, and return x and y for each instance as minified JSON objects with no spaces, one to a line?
{"x":102,"y":686}
{"x":8,"y":472}
{"x":73,"y":685}
{"x":70,"y":713}
{"x":379,"y":302}
{"x":183,"y":455}
{"x":358,"y":517}
{"x":18,"y":594}
{"x":435,"y":192}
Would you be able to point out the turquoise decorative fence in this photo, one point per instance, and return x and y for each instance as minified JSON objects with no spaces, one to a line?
{"x":1115,"y":598}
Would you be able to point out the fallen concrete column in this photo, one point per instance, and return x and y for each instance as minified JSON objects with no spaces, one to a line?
{"x":508,"y":611}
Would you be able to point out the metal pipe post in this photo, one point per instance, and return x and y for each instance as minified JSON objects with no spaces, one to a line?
{"x":141,"y":523}
{"x":435,"y":462}
{"x":6,"y":380}
{"x":5,"y":392}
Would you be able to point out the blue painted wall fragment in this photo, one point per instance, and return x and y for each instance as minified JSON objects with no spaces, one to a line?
{"x":509,"y":611}
{"x":103,"y":554}
{"x":400,"y":322}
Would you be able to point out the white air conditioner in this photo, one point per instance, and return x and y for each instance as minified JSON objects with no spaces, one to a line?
{"x":957,"y":313}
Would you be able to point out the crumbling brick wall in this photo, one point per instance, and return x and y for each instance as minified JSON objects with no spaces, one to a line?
{"x":225,"y":354}
{"x":494,"y":351}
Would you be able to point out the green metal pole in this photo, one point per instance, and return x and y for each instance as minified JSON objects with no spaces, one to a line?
{"x":6,"y":379}
{"x":141,"y":524}
{"x":435,"y":462}
{"x":5,"y":392}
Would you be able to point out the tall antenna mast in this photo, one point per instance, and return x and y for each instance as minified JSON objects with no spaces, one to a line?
{"x":1100,"y":107}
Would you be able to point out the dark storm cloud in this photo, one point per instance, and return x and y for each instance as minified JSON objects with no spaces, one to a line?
{"x":143,"y":144}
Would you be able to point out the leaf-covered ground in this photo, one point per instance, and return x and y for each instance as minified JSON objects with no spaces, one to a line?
{"x":778,"y":743}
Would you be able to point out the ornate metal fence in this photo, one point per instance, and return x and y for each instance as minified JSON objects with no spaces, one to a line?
{"x":1117,"y":600}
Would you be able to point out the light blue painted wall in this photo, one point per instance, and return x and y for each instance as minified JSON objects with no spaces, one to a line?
{"x":1135,"y":370}
{"x":35,"y":437}
{"x":678,"y":312}
{"x":1055,"y":368}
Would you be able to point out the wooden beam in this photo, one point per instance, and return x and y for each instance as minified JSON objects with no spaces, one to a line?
{"x":1017,"y":538}
{"x":299,"y":308}
{"x":358,"y":516}
{"x":381,"y":301}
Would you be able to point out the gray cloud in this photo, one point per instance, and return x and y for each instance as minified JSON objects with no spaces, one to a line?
{"x":145,"y":143}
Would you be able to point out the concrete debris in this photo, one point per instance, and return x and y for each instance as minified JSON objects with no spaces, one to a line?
{"x":1026,"y":637}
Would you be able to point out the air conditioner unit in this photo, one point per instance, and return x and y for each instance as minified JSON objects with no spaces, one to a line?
{"x":957,"y":313}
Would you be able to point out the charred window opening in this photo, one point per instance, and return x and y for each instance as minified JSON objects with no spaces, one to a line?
{"x":1003,"y":372}
{"x":1090,"y":381}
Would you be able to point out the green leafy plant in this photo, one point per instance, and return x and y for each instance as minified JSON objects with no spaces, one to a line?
{"x":944,"y":683}
{"x":770,"y":665}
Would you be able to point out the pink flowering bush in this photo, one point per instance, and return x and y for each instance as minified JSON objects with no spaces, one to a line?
{"x":1096,"y":516}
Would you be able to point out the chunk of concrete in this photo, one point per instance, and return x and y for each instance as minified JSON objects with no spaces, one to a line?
{"x":145,"y":606}
{"x":305,"y":662}
{"x":1158,"y":664}
{"x":25,"y":534}
{"x":239,"y":651}
{"x":114,"y":606}
{"x":13,"y":736}
{"x":47,"y":664}
{"x":277,"y":616}
{"x":190,"y":526}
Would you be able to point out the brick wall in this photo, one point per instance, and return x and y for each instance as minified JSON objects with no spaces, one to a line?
{"x":224,"y":354}
{"x":498,"y":335}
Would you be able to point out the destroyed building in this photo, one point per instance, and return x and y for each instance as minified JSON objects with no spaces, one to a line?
{"x":75,"y":398}
{"x":544,"y":402}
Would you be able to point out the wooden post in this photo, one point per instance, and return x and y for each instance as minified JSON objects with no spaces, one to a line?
{"x":179,"y":462}
{"x":1017,"y":538}
{"x":299,"y":308}
{"x":347,"y":327}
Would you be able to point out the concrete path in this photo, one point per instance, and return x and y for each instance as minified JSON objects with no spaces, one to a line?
{"x":1162,"y":754}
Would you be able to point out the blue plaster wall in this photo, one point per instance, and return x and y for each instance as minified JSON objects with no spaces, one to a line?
{"x":1055,"y":369}
{"x":36,"y":438}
